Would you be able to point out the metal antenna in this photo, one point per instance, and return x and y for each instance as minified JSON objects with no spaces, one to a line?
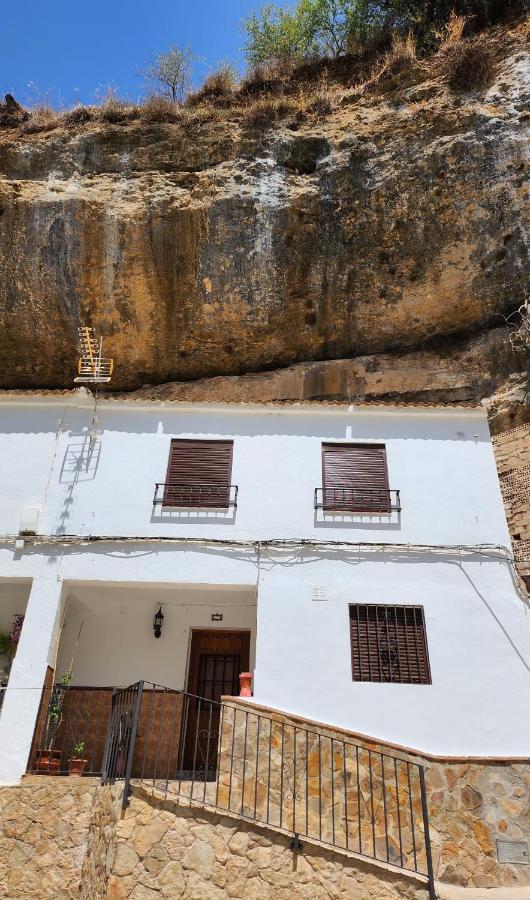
{"x":92,"y":368}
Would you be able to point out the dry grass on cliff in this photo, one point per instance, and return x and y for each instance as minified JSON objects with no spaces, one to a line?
{"x":117,"y":112}
{"x":454,"y":31}
{"x":41,"y":118}
{"x":218,"y":87}
{"x":159,"y":109}
{"x":264,"y":111}
{"x":469,"y":65}
{"x":397,"y":61}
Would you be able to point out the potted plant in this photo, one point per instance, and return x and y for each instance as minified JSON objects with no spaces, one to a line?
{"x":77,"y":765}
{"x":49,"y":759}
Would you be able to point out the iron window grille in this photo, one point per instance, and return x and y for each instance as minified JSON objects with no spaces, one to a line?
{"x":389,"y":644}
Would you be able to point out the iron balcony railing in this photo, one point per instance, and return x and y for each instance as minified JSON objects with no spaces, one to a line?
{"x":364,"y":501}
{"x":195,"y":496}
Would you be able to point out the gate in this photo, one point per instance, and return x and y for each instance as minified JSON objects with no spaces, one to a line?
{"x":121,"y":735}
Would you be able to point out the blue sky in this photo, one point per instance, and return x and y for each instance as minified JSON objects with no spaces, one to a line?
{"x":65,"y":52}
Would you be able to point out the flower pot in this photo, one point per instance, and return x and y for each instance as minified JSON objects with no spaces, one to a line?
{"x":49,"y":761}
{"x":245,"y":681}
{"x":76,"y":766}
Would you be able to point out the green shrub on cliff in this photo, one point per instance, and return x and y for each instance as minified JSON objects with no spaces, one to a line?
{"x":307,"y":29}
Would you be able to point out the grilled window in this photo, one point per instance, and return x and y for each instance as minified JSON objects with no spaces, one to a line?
{"x":355,"y":478}
{"x":198,"y":474}
{"x":388,"y":643}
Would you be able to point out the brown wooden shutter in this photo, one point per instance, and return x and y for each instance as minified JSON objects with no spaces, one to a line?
{"x":355,"y":477}
{"x":198,"y":474}
{"x":389,"y":644}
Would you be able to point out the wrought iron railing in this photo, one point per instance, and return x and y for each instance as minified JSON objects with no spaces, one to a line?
{"x":304,"y":781}
{"x":364,"y":501}
{"x":195,"y":496}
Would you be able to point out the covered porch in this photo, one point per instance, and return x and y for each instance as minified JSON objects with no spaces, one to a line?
{"x":14,"y":595}
{"x":109,"y":647}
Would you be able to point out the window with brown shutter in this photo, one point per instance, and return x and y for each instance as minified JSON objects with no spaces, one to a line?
{"x":198,"y":474}
{"x":389,"y":644}
{"x":355,"y":478}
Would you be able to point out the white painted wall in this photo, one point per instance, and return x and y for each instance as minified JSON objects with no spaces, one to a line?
{"x":117,"y":646}
{"x":478,"y":634}
{"x":13,"y":599}
{"x":27,"y":447}
{"x":441,"y":461}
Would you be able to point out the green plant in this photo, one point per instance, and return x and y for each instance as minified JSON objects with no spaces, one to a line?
{"x":53,"y":718}
{"x":6,"y":646}
{"x":77,"y":752}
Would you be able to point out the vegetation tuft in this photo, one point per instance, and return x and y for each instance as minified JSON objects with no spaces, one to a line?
{"x":469,"y":65}
{"x":264,"y":111}
{"x":42,"y":118}
{"x":298,"y":52}
{"x":117,"y":112}
{"x":159,"y":109}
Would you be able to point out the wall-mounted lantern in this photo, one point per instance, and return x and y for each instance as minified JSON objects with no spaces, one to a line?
{"x":158,"y":622}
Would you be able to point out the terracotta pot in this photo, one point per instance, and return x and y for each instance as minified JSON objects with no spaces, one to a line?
{"x":245,"y":682}
{"x":49,"y":761}
{"x":77,"y":766}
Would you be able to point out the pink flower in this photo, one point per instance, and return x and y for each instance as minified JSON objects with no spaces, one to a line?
{"x":16,"y":628}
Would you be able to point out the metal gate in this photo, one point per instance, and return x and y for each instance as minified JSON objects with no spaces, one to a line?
{"x":121,"y":734}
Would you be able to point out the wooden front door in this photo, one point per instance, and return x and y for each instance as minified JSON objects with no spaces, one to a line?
{"x":216,"y":660}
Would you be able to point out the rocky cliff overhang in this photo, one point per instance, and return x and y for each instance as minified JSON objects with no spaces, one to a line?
{"x":373,"y":253}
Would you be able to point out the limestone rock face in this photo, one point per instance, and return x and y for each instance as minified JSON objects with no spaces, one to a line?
{"x":391,"y":227}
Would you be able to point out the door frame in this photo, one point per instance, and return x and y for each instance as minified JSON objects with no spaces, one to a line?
{"x":205,"y":628}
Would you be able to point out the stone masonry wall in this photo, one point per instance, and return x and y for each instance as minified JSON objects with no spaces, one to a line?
{"x":512,"y":454}
{"x":471,"y":803}
{"x":55,"y":837}
{"x":166,"y":851}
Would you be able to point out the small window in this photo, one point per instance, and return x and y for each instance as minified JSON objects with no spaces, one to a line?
{"x":198,"y":474}
{"x":389,"y":644}
{"x":355,"y":478}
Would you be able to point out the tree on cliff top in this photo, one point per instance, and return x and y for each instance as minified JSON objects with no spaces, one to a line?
{"x":169,"y":73}
{"x":304,"y":29}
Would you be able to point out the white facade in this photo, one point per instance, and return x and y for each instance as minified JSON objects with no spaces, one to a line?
{"x":273,"y":566}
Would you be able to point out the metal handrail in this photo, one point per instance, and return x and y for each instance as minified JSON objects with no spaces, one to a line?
{"x":305,"y":781}
{"x":198,"y":495}
{"x":364,"y":501}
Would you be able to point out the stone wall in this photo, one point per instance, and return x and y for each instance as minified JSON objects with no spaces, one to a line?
{"x":166,"y":851}
{"x":471,"y":803}
{"x":512,"y":453}
{"x":56,"y":839}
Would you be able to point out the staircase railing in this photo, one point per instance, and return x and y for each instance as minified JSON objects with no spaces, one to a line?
{"x":262,"y":767}
{"x":305,"y":781}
